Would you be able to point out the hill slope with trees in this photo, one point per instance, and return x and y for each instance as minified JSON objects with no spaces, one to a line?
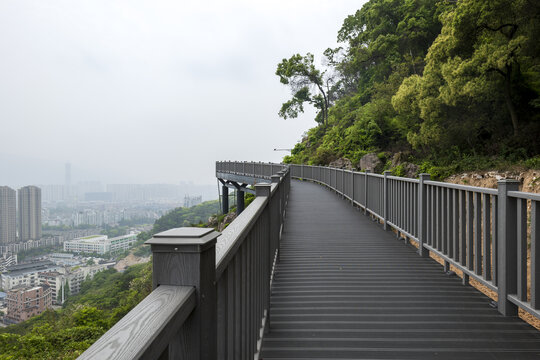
{"x":450,"y":86}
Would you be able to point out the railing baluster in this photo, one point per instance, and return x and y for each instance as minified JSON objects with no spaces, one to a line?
{"x":462,"y":228}
{"x":487,"y":242}
{"x":494,"y":239}
{"x":422,"y":219}
{"x":522,"y":249}
{"x":470,"y":234}
{"x":535,"y":255}
{"x":478,"y":233}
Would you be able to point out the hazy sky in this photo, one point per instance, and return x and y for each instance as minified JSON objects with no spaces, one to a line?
{"x":150,"y":91}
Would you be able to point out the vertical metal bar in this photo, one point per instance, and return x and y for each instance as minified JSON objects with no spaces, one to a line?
{"x":352,"y":187}
{"x":222,"y":313}
{"x":470,"y":237}
{"x":366,"y":191}
{"x":507,"y":247}
{"x":231,"y":313}
{"x":478,"y":233}
{"x":439,"y":218}
{"x":522,"y":249}
{"x":239,"y":298}
{"x":385,"y":201}
{"x":535,"y":255}
{"x":487,"y":243}
{"x":444,"y":222}
{"x":422,"y":210}
{"x":462,"y":228}
{"x":494,"y":238}
{"x":455,"y":223}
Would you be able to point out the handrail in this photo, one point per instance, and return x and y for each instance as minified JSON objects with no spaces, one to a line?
{"x":147,"y":329}
{"x":211,"y":291}
{"x":482,"y":232}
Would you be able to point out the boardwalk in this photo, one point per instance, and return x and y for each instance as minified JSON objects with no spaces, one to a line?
{"x":346,"y":289}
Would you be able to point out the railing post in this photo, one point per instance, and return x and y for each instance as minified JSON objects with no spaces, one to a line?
{"x":422,"y":215}
{"x":507,"y":246}
{"x":225,"y":199}
{"x":187,"y":257}
{"x":385,"y":199}
{"x":239,"y":201}
{"x":302,"y":171}
{"x":366,"y":191}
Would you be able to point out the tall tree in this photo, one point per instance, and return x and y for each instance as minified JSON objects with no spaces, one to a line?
{"x":308,"y":84}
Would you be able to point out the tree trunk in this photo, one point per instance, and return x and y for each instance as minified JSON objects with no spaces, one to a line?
{"x":508,"y":98}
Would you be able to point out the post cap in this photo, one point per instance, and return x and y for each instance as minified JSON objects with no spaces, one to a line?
{"x":183,"y":239}
{"x":275,"y":178}
{"x":387,"y":172}
{"x":263,"y":189}
{"x":509,"y":181}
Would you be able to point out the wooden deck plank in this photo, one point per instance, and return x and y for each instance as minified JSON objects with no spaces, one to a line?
{"x":346,"y":289}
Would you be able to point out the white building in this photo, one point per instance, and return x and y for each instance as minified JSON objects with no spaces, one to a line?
{"x":100,"y":244}
{"x":73,"y":277}
{"x":25,"y":274}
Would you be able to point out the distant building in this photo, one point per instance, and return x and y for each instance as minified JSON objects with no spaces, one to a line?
{"x":74,"y":277}
{"x":100,"y":244}
{"x":29,"y":213}
{"x":6,"y":260}
{"x":8,"y":215}
{"x":190,"y":201}
{"x":26,"y":302}
{"x":25,"y":274}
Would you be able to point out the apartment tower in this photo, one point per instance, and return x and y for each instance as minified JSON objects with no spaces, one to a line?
{"x":29,"y":213}
{"x":8,"y":215}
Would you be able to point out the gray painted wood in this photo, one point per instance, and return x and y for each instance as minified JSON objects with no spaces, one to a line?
{"x":507,"y":251}
{"x":535,"y":255}
{"x":346,"y":289}
{"x":146,"y":331}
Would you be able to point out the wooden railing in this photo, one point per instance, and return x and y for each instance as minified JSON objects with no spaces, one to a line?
{"x":211,"y":297}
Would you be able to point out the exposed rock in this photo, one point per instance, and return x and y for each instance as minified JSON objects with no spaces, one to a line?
{"x":227,"y":220}
{"x":411,"y":170}
{"x":369,"y":162}
{"x":342,"y":163}
{"x":399,"y":158}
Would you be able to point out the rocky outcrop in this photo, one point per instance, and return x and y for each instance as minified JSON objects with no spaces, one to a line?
{"x":370,"y":162}
{"x":342,"y":163}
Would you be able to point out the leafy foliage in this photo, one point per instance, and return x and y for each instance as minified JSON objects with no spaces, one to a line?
{"x":66,"y":333}
{"x":447,"y":82}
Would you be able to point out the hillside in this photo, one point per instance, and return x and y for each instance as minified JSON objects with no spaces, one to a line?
{"x":445,"y":86}
{"x":66,"y":333}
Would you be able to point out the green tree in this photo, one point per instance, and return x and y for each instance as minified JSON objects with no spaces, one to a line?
{"x":300,"y":73}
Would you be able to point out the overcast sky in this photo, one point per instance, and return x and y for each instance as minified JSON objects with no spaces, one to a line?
{"x":150,"y":91}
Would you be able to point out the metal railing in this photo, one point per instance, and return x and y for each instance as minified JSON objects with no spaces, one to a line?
{"x":211,"y":297}
{"x":485,"y":233}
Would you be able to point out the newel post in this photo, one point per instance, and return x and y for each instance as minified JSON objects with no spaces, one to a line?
{"x":422,"y":215}
{"x":367,"y":172}
{"x":187,"y":257}
{"x":507,"y":246}
{"x":385,"y":198}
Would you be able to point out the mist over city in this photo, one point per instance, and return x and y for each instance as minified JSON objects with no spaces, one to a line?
{"x":139,"y":92}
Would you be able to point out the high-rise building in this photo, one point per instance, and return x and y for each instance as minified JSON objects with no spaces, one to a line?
{"x":29,"y":213}
{"x":8,"y":215}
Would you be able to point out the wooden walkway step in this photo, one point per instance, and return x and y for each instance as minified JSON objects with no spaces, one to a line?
{"x":346,"y":289}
